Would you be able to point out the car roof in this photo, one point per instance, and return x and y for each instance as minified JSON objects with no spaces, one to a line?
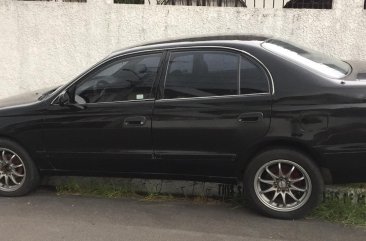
{"x":219,"y":40}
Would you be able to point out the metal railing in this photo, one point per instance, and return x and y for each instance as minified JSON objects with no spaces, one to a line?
{"x":308,"y":4}
{"x":215,"y":3}
{"x":78,"y":1}
{"x":130,"y":1}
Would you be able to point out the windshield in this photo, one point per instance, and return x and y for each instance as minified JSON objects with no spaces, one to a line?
{"x":326,"y":65}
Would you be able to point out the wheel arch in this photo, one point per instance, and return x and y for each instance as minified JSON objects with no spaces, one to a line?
{"x":287,"y":144}
{"x":20,"y":143}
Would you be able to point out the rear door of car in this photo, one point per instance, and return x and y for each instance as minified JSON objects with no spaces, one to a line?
{"x":213,"y":103}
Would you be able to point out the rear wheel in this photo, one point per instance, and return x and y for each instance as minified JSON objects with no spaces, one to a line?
{"x":283,"y":183}
{"x":18,"y":174}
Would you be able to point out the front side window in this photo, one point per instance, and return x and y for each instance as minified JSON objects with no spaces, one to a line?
{"x":201,"y":74}
{"x":124,"y":79}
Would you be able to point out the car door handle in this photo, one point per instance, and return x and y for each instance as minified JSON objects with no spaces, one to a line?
{"x":135,"y":121}
{"x":250,"y":117}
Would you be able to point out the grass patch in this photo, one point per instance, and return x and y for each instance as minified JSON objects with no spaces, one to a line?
{"x":354,"y":185}
{"x":341,"y":211}
{"x":109,"y":189}
{"x":159,"y":197}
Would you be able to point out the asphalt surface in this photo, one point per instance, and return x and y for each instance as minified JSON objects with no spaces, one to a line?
{"x":45,"y":216}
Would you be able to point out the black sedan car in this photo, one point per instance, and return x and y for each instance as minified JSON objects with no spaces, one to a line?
{"x":280,"y":118}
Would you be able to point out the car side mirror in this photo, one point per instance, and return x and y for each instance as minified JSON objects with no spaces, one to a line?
{"x":64,"y":99}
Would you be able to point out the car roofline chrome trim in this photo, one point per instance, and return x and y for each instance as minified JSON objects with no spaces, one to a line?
{"x":167,"y":49}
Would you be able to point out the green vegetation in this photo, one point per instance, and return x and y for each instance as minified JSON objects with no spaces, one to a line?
{"x":354,"y":185}
{"x":110,"y":189}
{"x":158,"y":197}
{"x":97,"y":189}
{"x":341,"y":211}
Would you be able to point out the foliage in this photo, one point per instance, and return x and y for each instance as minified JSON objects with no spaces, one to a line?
{"x":341,"y":211}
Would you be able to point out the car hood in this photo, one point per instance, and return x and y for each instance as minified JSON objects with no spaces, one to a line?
{"x":25,"y":98}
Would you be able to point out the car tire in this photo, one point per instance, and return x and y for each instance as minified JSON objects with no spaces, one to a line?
{"x":18,"y":173}
{"x":283,"y":183}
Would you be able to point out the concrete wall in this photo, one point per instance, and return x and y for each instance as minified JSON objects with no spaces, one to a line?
{"x":48,"y":43}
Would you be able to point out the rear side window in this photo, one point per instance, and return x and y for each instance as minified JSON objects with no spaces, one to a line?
{"x":253,"y":79}
{"x":212,"y":73}
{"x":201,"y":74}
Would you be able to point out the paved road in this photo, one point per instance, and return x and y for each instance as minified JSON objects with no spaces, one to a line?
{"x":45,"y":216}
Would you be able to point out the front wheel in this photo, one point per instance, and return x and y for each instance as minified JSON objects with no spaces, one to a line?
{"x":18,"y":173}
{"x":283,"y":184}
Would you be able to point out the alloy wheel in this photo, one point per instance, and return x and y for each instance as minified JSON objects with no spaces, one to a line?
{"x":12,"y":171}
{"x":282,"y":185}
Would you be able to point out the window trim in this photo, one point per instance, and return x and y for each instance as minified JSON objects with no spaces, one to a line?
{"x":164,"y":65}
{"x":117,"y":102}
{"x":213,"y":97}
{"x":239,"y":74}
{"x":263,"y":69}
{"x":257,"y":63}
{"x":198,"y":50}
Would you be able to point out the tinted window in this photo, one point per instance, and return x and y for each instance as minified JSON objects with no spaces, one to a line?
{"x":252,"y":78}
{"x":199,"y":74}
{"x":126,"y":79}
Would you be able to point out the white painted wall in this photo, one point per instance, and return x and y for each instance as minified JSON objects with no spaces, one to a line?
{"x":48,"y":43}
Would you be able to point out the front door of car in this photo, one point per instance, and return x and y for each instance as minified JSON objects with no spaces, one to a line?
{"x":106,"y":127}
{"x":214,"y":104}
